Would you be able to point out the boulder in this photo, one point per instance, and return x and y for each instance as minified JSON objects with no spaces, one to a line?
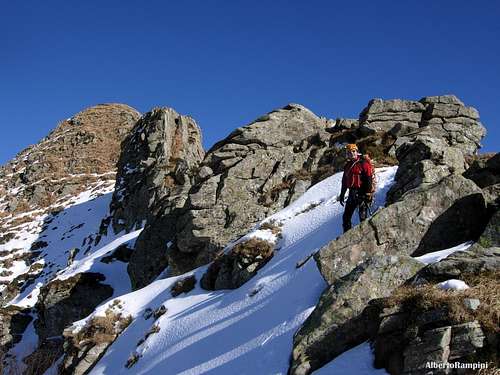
{"x":485,"y":170}
{"x":240,"y":264}
{"x":439,"y":147}
{"x":252,"y":177}
{"x":339,"y":322}
{"x":409,"y":226}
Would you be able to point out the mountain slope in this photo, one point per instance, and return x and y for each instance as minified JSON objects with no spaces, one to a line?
{"x":247,"y":330}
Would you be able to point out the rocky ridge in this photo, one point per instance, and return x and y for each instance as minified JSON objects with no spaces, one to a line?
{"x":195,"y":205}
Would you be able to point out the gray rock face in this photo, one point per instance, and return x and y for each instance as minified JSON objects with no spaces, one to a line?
{"x":473,"y":261}
{"x":83,"y":348}
{"x":428,"y":199}
{"x":248,"y":184}
{"x":62,"y":302}
{"x":408,"y":226}
{"x":244,"y":178}
{"x":337,"y":324}
{"x":405,"y":346}
{"x":13,"y":323}
{"x":158,"y":160}
{"x":396,"y":116}
{"x":447,"y":132}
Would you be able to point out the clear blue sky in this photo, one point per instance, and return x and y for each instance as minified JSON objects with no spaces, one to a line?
{"x":227,"y":62}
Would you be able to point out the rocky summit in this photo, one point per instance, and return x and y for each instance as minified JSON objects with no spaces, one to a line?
{"x":125,"y":247}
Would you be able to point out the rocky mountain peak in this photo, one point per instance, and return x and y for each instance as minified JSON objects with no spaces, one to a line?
{"x":77,"y":152}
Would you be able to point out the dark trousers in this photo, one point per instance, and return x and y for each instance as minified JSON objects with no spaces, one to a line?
{"x":353,"y":202}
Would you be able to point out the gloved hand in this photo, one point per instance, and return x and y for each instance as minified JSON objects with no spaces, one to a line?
{"x":340,"y":199}
{"x":368,"y":197}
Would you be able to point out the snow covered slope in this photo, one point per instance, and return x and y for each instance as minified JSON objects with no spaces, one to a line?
{"x":248,"y":330}
{"x":48,"y":238}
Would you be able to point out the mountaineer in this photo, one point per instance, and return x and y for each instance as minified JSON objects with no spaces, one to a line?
{"x":358,"y":177}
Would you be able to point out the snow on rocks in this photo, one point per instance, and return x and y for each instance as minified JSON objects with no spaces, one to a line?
{"x":436,"y":256}
{"x":245,"y":330}
{"x":453,"y":284}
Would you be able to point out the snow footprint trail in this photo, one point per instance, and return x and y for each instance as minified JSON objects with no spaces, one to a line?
{"x":248,"y":330}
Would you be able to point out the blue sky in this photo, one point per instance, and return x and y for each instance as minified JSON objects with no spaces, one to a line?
{"x":227,"y":62}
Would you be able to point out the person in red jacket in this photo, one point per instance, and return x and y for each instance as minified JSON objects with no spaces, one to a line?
{"x":358,"y":178}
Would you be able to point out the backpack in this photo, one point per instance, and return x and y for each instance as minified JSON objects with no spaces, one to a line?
{"x":366,"y":159}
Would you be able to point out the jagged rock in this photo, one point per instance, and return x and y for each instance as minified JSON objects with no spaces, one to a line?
{"x":244,"y":178}
{"x":409,"y":227}
{"x":466,"y":339}
{"x":343,"y":123}
{"x":338,"y":324}
{"x":251,"y":168}
{"x":71,"y":157}
{"x":64,"y":301}
{"x":13,"y":323}
{"x":485,"y":172}
{"x":433,"y":346}
{"x":158,"y":160}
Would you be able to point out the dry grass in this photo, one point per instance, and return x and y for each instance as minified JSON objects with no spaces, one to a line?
{"x":183,"y":286}
{"x":101,"y":329}
{"x":491,"y":370}
{"x":253,"y":248}
{"x":132,"y":360}
{"x":484,"y":287}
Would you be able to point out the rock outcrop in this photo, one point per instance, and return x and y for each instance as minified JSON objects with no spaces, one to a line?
{"x":337,"y":324}
{"x":13,"y":323}
{"x":242,"y":179}
{"x":62,"y":302}
{"x":428,"y":199}
{"x":158,"y":160}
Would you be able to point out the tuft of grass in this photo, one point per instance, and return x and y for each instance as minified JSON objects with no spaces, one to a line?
{"x":484,"y":287}
{"x":132,"y":360}
{"x":253,"y":248}
{"x":183,"y":286}
{"x":101,"y":329}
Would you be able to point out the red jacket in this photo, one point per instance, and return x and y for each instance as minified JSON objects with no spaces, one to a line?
{"x":358,"y":174}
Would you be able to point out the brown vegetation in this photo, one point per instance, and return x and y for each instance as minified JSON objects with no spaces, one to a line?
{"x":101,"y":329}
{"x":253,"y":248}
{"x":183,"y":286}
{"x":485,"y":287}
